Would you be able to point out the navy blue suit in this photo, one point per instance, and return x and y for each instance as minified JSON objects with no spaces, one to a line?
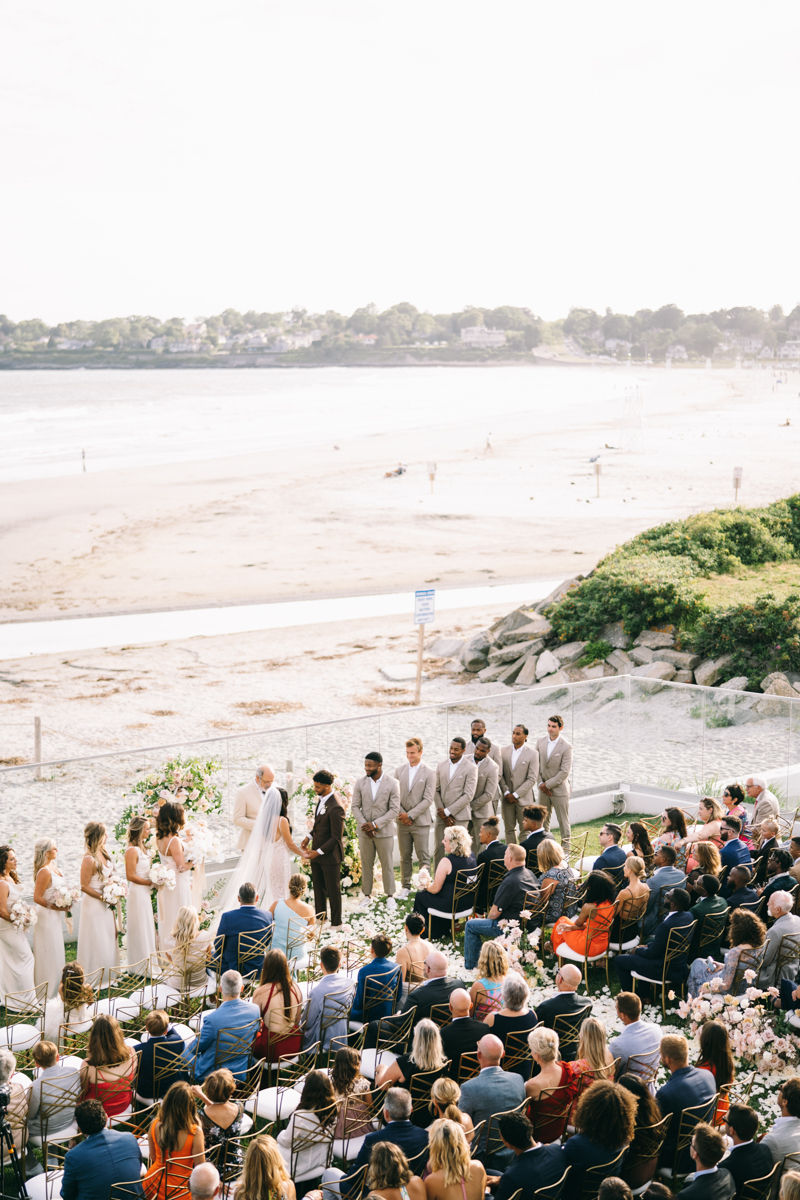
{"x":378,"y":966}
{"x":410,"y":1138}
{"x":579,"y":1153}
{"x":93,"y":1166}
{"x":778,"y":883}
{"x":612,"y":856}
{"x":686,"y":1087}
{"x":245,"y":919}
{"x":734,"y":852}
{"x":745,"y":895}
{"x":650,"y":959}
{"x":146,"y":1051}
{"x":532,"y":1169}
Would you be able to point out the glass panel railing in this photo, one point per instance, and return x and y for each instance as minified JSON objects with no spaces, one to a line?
{"x":666,"y":732}
{"x":744,"y":734}
{"x":600,"y":714}
{"x":430,"y":725}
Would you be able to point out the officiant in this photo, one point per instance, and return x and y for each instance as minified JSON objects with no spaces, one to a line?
{"x":248,"y":801}
{"x":327,"y":848}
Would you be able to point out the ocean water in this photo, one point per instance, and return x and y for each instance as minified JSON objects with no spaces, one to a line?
{"x":135,"y":418}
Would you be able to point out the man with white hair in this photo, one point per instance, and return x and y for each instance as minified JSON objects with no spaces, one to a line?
{"x":248,"y":801}
{"x":787,"y":925}
{"x":493,"y":1090}
{"x":227,"y":1032}
{"x":765,"y":804}
{"x":204,"y":1182}
{"x":509,"y":901}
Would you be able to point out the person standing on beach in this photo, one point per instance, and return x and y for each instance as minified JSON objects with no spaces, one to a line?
{"x":327,"y":848}
{"x":555,"y":764}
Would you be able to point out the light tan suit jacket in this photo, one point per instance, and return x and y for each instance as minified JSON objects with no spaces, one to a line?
{"x":456,"y":795}
{"x":383,"y":810}
{"x":766,"y":806}
{"x":246,"y":803}
{"x":418,"y":802}
{"x":522,"y":779}
{"x":486,"y":788}
{"x":555,"y":772}
{"x":496,"y":754}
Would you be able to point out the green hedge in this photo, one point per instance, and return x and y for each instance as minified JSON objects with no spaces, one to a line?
{"x":763,"y":636}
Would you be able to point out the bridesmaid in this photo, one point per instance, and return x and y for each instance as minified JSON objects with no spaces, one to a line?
{"x":16,"y":959}
{"x":139,"y":909}
{"x":169,"y":821}
{"x":97,"y":933}
{"x":48,"y":936}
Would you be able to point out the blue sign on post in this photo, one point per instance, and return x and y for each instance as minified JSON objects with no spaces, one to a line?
{"x":424,"y":606}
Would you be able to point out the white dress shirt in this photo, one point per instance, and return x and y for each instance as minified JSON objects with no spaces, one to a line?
{"x":374,"y":784}
{"x":454,"y":767}
{"x":515,"y":757}
{"x":323,"y":800}
{"x":551,"y":745}
{"x":412,"y":775}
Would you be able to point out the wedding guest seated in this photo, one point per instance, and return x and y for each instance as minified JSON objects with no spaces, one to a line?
{"x":707,"y":825}
{"x":710,"y":1182}
{"x":455,"y":1175}
{"x":294,"y":919}
{"x":390,"y":1177}
{"x":104,"y":1158}
{"x":348,"y":1082}
{"x":247,"y":918}
{"x":665,"y":875}
{"x":687,"y":1086}
{"x":204,"y":1182}
{"x":605,"y":1122}
{"x":221,"y":1117}
{"x":398,"y":1129}
{"x":313,"y":1116}
{"x":593,"y":1056}
{"x":749,"y":1158}
{"x":784,"y":1135}
{"x":463,"y":1033}
{"x":411,"y":956}
{"x":175,"y":1141}
{"x":187,"y":948}
{"x":332,"y":983}
{"x":509,"y":901}
{"x":109,"y":1067}
{"x":265,"y":1176}
{"x":427,"y":1054}
{"x":649,"y":960}
{"x":440,"y":891}
{"x":379,"y":965}
{"x":734,"y":851}
{"x":493,"y":851}
{"x":631,"y":901}
{"x":486,"y":991}
{"x":598,"y":906}
{"x":535,"y":1166}
{"x":17,"y":1086}
{"x":493,"y":1090}
{"x":716,"y":1056}
{"x":733,"y":799}
{"x":778,"y":877}
{"x":648,"y":1113}
{"x":278,"y":999}
{"x":554,"y":881}
{"x":159,"y":1031}
{"x":552,"y":1074}
{"x":673,"y":830}
{"x":445,"y":1100}
{"x":705,"y":857}
{"x":761,"y":853}
{"x":709,"y":903}
{"x":234,"y":1014}
{"x":614,"y":1188}
{"x":437,"y":987}
{"x":737,"y":890}
{"x":794,"y":850}
{"x":639,"y":839}
{"x":55,"y":1084}
{"x":786,"y":924}
{"x":567,"y":1001}
{"x":746,"y":932}
{"x":612,"y":855}
{"x":516,"y":1016}
{"x":533,"y":818}
{"x":639,"y":1037}
{"x":70,"y":1008}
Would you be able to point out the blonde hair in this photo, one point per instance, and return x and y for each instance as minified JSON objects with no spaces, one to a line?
{"x":549,"y":854}
{"x":493,"y":962}
{"x":45,"y":1054}
{"x":388,"y":1167}
{"x":675,"y":1047}
{"x":297,"y":885}
{"x":790,"y":1186}
{"x":714,"y":805}
{"x":415,"y":741}
{"x":636,"y":865}
{"x":544,"y":1043}
{"x":592,"y":1043}
{"x":41,"y":849}
{"x":264,"y":1170}
{"x":707,"y":856}
{"x":446,"y":1094}
{"x":449,"y":1152}
{"x":135,"y":830}
{"x":186,"y":927}
{"x":458,"y":840}
{"x":93,"y":834}
{"x":427,"y":1051}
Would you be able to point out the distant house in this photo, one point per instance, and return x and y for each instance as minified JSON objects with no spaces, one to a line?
{"x":677,"y":353}
{"x":366,"y":339}
{"x":748,"y":345}
{"x":72,"y":344}
{"x":157,"y":343}
{"x":617,"y":344}
{"x":478,"y":337}
{"x":197,"y":331}
{"x":184,"y":347}
{"x":257,"y":339}
{"x":789,"y":350}
{"x":765,"y":352}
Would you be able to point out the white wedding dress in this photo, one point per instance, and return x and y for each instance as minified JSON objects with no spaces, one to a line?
{"x":266,"y":860}
{"x":48,"y":939}
{"x":16,"y":957}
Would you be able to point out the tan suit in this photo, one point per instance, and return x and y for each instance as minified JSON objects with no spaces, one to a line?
{"x":766,"y":806}
{"x":418,"y":803}
{"x":454,"y":795}
{"x":484,"y":798}
{"x":520,"y":781}
{"x":246,"y":804}
{"x":555,"y":773}
{"x":381,"y":811}
{"x":496,"y":754}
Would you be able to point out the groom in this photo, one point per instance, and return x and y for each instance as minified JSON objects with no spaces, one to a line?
{"x":327,"y":848}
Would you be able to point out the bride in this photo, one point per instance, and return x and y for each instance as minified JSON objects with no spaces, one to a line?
{"x":266,"y":860}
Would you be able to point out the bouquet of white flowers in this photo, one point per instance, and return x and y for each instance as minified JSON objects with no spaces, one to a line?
{"x":23,"y":916}
{"x":161,"y":875}
{"x":113,"y":890}
{"x":200,"y":844}
{"x":65,"y":897}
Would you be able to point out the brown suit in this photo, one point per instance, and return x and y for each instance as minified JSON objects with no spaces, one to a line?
{"x":555,"y":772}
{"x":327,"y":836}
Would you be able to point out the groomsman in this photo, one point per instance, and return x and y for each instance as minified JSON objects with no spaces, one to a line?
{"x":417,"y":785}
{"x":456,"y":780}
{"x":248,"y":801}
{"x":376,"y":803}
{"x":555,"y":765}
{"x":485,"y":789}
{"x":478,"y":731}
{"x":520,"y":768}
{"x":327,"y":848}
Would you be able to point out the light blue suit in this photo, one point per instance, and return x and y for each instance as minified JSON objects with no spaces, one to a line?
{"x":492,"y":1091}
{"x":641,"y":1037}
{"x":326,"y":986}
{"x":231,"y":1014}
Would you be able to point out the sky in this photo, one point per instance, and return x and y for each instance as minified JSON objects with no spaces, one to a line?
{"x":177,"y":159}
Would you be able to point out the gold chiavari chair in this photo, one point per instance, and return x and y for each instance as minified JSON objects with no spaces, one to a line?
{"x":554,"y":1192}
{"x":24,"y":1023}
{"x":642,"y":1158}
{"x":467,"y":882}
{"x":594,"y":1176}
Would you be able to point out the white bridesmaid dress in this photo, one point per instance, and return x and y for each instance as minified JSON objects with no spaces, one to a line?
{"x":16,"y":958}
{"x":97,"y":933}
{"x":48,"y":940}
{"x":141,"y":940}
{"x":171,"y":902}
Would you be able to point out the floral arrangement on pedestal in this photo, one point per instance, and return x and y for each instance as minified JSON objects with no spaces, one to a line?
{"x":306,"y":796}
{"x":751,"y":1023}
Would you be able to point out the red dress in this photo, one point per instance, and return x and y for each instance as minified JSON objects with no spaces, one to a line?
{"x":272,"y":1045}
{"x":547,"y":1113}
{"x":115,"y":1094}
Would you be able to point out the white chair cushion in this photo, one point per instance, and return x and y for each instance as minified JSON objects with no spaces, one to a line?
{"x":273,"y":1104}
{"x":368,"y":1061}
{"x":355,"y":1025}
{"x":568,"y":952}
{"x":645,"y":978}
{"x":352,"y":1146}
{"x":63,"y":1135}
{"x":184,"y":1031}
{"x":45,"y":1186}
{"x":247,"y":1124}
{"x":620,"y":949}
{"x":124,"y":1008}
{"x":123,"y":1116}
{"x":437,"y":912}
{"x":19,"y":1037}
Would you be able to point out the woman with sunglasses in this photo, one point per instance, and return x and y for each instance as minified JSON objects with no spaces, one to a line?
{"x":733,"y":798}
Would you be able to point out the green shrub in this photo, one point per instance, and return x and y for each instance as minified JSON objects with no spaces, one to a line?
{"x":641,"y":591}
{"x":594,"y":652}
{"x":762,"y":636}
{"x":719,"y":541}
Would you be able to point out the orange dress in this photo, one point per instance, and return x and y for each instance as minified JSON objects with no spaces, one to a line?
{"x":564,"y":931}
{"x":159,"y":1184}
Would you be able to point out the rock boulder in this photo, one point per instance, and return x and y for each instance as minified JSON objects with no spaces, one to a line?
{"x":557,"y":593}
{"x":475,"y":654}
{"x":445,"y":647}
{"x":527,"y":676}
{"x":641,"y":655}
{"x":547,"y":664}
{"x":712,"y":670}
{"x":737,"y":684}
{"x":683,"y":677}
{"x":655,"y":670}
{"x":540,"y":628}
{"x":655,"y":639}
{"x":621,"y":662}
{"x":569,"y":653}
{"x":615,"y":635}
{"x":683,"y":662}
